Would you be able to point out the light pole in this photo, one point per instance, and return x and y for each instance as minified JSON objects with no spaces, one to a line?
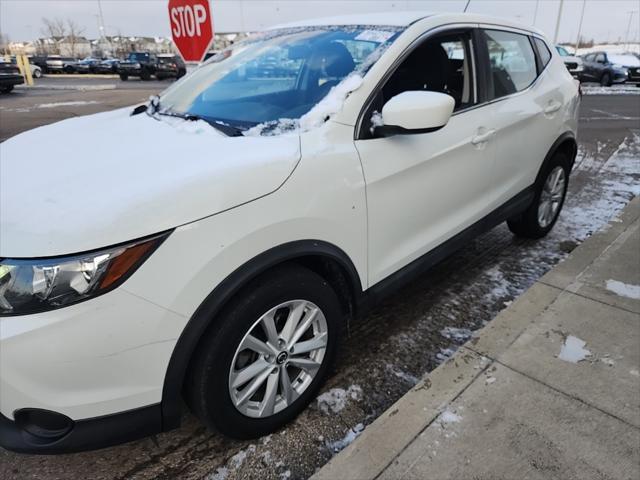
{"x":626,"y":41}
{"x":555,"y":36}
{"x":584,"y":4}
{"x":535,"y":12}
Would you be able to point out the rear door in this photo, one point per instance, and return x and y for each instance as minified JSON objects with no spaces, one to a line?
{"x":525,"y":109}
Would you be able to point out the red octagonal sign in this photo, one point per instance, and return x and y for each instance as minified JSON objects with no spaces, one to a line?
{"x":191,"y":27}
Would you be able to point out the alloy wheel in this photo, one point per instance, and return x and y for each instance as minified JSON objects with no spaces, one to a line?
{"x":551,"y":197}
{"x":278,"y":358}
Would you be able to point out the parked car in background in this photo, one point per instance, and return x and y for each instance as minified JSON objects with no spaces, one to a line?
{"x":87,"y":65}
{"x":9,"y":76}
{"x":170,"y":66}
{"x":138,"y":64}
{"x":58,"y":64}
{"x":574,"y":64}
{"x":255,"y":215}
{"x":630,"y":62}
{"x":598,"y":67}
{"x":36,"y":71}
{"x":39,"y":61}
{"x":108,"y":65}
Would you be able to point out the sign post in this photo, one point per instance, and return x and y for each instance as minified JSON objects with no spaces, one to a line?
{"x":191,"y":28}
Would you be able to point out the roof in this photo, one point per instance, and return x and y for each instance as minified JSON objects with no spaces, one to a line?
{"x":395,"y":19}
{"x":406,"y":18}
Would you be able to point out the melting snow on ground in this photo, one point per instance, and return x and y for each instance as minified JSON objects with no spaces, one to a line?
{"x":335,"y":400}
{"x":624,"y":289}
{"x":459,"y":335}
{"x":351,"y":435}
{"x":573,"y":350}
{"x":233,"y":464}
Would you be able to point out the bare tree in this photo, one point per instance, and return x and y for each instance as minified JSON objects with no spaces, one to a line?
{"x":4,"y":44}
{"x":74,"y":33}
{"x":54,"y":29}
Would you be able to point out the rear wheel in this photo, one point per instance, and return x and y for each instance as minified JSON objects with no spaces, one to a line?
{"x":605,"y":80}
{"x":37,"y":73}
{"x":267,"y":355}
{"x":124,"y":77}
{"x":6,"y":89}
{"x":145,"y":75}
{"x":538,"y":220}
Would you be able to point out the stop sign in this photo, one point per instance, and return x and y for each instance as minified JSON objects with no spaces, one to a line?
{"x":191,"y":27}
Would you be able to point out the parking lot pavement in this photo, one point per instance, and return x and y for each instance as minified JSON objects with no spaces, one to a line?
{"x":59,"y":97}
{"x":391,"y":349}
{"x":531,"y":395}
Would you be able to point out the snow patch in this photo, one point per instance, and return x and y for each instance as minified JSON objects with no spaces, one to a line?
{"x":615,"y":90}
{"x":445,"y":354}
{"x":67,"y":104}
{"x":448,"y":417}
{"x":351,"y":435}
{"x":460,"y":335}
{"x":624,"y":289}
{"x":376,"y":121}
{"x":233,"y":464}
{"x":331,"y":104}
{"x":336,"y":399}
{"x":573,"y":350}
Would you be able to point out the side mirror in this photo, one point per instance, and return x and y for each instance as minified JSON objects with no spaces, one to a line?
{"x":415,"y":112}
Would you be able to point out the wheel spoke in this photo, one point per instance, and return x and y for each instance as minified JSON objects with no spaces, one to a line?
{"x":256,"y":345}
{"x":305,"y":364}
{"x":255,"y":384}
{"x":309,"y":345}
{"x":286,"y":390}
{"x":243,"y":376}
{"x":295,"y":314}
{"x":269,"y":402}
{"x":269,"y":328}
{"x":303,"y":328}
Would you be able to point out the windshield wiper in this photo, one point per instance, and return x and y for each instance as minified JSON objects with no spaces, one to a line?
{"x":228,"y":130}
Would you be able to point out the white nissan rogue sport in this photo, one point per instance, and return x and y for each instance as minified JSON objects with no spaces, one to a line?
{"x":252,"y":209}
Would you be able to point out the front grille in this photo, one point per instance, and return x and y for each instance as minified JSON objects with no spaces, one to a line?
{"x":571,"y":65}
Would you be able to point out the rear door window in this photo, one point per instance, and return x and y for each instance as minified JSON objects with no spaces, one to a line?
{"x":543,"y":51}
{"x":512,"y":62}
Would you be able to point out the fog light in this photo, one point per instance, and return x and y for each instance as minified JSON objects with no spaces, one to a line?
{"x":45,"y":425}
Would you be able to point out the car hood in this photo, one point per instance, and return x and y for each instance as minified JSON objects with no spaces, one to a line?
{"x":108,"y":178}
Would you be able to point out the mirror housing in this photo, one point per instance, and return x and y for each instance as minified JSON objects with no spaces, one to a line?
{"x":416,"y":112}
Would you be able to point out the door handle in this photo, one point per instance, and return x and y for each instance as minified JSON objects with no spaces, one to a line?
{"x":553,"y":107}
{"x":483,"y":137}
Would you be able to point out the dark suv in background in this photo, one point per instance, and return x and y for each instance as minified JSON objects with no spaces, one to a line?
{"x":170,"y":66}
{"x":138,"y":64}
{"x":604,"y":68}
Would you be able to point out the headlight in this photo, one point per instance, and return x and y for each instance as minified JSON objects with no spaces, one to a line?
{"x":36,"y":285}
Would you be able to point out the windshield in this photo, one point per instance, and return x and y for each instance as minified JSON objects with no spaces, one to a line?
{"x":281,"y":75}
{"x":562,"y":52}
{"x":137,"y":57}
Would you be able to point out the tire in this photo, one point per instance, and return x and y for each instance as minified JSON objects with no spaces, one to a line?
{"x":37,"y":73}
{"x":6,"y":89}
{"x":605,"y":80}
{"x":124,"y":77}
{"x":533,"y":223}
{"x":209,"y":390}
{"x":145,"y":75}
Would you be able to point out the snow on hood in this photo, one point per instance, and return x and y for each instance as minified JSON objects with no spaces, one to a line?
{"x":111,"y":177}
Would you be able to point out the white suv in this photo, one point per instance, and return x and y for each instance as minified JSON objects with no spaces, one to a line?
{"x":255,"y":207}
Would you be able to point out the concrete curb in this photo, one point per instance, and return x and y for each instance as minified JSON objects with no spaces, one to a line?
{"x":82,"y":88}
{"x":397,"y":428}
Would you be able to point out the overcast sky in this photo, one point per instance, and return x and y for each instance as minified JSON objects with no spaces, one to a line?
{"x":604,"y":20}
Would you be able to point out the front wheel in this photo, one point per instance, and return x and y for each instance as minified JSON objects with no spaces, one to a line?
{"x":605,"y":80}
{"x":6,"y":89}
{"x":124,"y":77}
{"x":538,"y":220}
{"x":37,"y":73}
{"x":267,"y":355}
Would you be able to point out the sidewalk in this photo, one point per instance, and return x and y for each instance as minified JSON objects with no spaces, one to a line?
{"x":523,"y":399}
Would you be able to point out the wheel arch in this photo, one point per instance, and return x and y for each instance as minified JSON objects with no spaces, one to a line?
{"x":565,"y":144}
{"x":325,"y":259}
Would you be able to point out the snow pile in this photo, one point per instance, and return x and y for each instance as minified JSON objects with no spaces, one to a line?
{"x":331,"y":104}
{"x":614,"y":90}
{"x":624,"y":289}
{"x":376,"y":120}
{"x":407,"y":377}
{"x":335,"y":400}
{"x":67,"y":104}
{"x":611,"y":48}
{"x":573,"y":350}
{"x":351,"y":435}
{"x":459,"y":335}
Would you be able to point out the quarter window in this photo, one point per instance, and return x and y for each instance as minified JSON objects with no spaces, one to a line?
{"x":513,"y":63}
{"x":543,"y":51}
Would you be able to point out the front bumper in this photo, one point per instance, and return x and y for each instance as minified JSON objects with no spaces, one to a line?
{"x":89,"y":362}
{"x":7,"y":80}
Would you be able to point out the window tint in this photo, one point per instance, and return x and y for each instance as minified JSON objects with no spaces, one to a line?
{"x":543,"y":51}
{"x":590,"y":57}
{"x":513,"y":63}
{"x":441,"y":64}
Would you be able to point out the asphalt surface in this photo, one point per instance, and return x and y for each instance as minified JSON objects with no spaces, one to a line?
{"x":389,"y":350}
